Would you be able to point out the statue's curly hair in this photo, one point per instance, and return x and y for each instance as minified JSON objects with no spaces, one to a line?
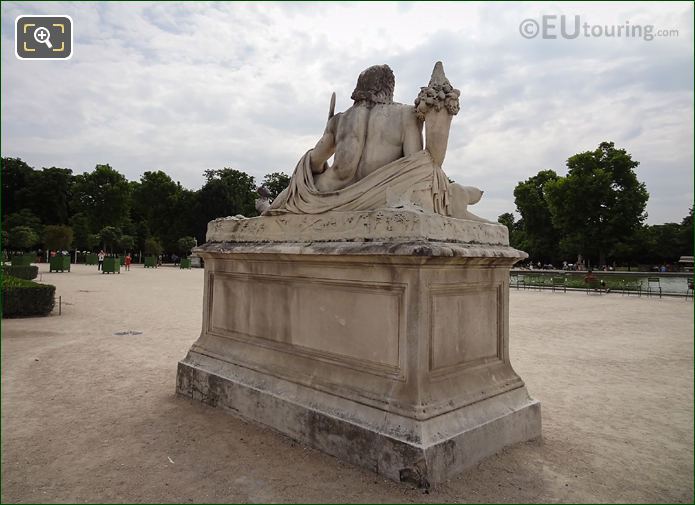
{"x":375,"y":85}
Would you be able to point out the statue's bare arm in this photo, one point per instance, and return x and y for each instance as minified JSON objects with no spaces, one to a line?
{"x":412,"y":132}
{"x":325,"y":147}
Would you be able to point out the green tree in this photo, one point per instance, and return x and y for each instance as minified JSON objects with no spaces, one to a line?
{"x":540,"y":237}
{"x":153,"y":247}
{"x":506,"y":219}
{"x":57,"y":237}
{"x":185,"y":244}
{"x":276,"y":182}
{"x":517,"y":235}
{"x":103,"y":196}
{"x":227,"y":192}
{"x":93,"y":240}
{"x":633,"y":250}
{"x":23,"y":217}
{"x":663,"y":243}
{"x":16,"y":175}
{"x":686,"y":234}
{"x":599,"y":204}
{"x":22,"y":238}
{"x":48,"y":194}
{"x":183,"y":209}
{"x":81,"y":230}
{"x":126,"y":243}
{"x":154,"y":200}
{"x":667,"y":247}
{"x":110,"y":235}
{"x":142,"y":233}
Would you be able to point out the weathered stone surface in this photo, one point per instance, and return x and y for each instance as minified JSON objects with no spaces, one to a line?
{"x":376,"y":225}
{"x":375,"y":441}
{"x":391,"y":355}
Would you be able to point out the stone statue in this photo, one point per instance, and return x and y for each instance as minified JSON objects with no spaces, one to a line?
{"x":366,"y":312}
{"x":379,"y":160}
{"x":372,"y":133}
{"x":263,"y":202}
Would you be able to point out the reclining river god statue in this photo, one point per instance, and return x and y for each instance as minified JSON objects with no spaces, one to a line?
{"x":366,"y":312}
{"x":379,"y":160}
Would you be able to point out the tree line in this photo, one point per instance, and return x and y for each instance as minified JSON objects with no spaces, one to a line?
{"x":597,"y":211}
{"x":53,"y":208}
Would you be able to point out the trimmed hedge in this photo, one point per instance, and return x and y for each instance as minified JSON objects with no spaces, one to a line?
{"x":26,"y":298}
{"x":23,"y":260}
{"x":21,"y":272}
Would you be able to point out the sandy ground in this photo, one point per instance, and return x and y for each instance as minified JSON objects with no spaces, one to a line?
{"x":91,"y":416}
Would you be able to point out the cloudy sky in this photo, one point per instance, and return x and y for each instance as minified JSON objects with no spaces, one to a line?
{"x":185,"y":87}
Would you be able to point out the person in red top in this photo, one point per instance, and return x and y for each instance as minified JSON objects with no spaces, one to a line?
{"x":127,"y":261}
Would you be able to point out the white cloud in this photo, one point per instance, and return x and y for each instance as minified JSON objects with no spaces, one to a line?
{"x":188,"y":86}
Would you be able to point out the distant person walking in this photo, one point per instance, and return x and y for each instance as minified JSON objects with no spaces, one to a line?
{"x":128,"y":259}
{"x":100,"y":257}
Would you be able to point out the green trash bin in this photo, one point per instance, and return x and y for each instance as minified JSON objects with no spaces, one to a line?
{"x":59,"y":264}
{"x":91,"y":259}
{"x":112,"y":265}
{"x":150,"y":262}
{"x":185,"y":263}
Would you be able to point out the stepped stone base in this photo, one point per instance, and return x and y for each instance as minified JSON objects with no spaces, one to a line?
{"x":388,"y":353}
{"x":472,"y":433}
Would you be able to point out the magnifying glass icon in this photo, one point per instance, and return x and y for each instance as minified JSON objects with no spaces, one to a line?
{"x":43,"y":36}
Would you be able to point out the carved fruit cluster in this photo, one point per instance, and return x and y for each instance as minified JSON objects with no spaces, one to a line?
{"x":436,"y":96}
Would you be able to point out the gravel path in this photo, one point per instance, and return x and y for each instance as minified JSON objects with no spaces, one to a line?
{"x":90,"y":415}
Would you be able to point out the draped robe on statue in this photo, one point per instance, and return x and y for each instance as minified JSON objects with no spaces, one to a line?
{"x":414,"y":178}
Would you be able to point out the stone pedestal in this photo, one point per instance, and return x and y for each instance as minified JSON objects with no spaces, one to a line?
{"x":389,"y":350}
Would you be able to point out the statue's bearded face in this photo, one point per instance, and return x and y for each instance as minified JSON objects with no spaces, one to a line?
{"x":375,"y":85}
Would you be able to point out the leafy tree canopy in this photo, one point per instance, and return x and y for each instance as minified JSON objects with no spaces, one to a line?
{"x":600,"y":202}
{"x":541,"y":237}
{"x":103,"y":196}
{"x":58,"y":237}
{"x":276,"y":183}
{"x":153,"y":247}
{"x":185,"y":244}
{"x":22,"y":238}
{"x":110,"y":235}
{"x":227,"y":192}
